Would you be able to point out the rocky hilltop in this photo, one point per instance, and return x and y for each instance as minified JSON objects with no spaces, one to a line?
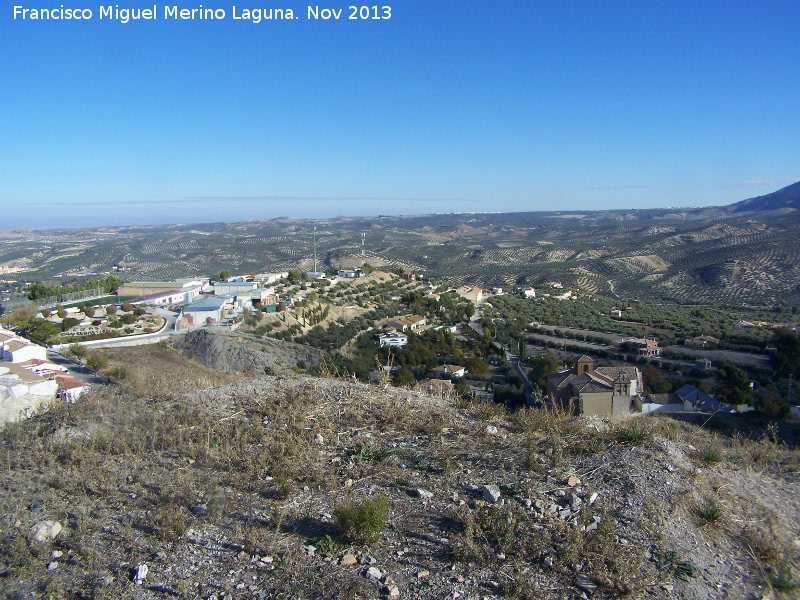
{"x":315,"y":488}
{"x":249,"y":354}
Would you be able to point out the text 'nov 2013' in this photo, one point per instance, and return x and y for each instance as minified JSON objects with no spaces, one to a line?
{"x":177,"y":13}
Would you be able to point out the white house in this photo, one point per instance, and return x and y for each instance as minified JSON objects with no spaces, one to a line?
{"x":529,"y":292}
{"x":452,"y":370}
{"x":395,"y":339}
{"x":15,"y":349}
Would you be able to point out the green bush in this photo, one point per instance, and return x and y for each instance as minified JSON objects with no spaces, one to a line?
{"x":361,"y":521}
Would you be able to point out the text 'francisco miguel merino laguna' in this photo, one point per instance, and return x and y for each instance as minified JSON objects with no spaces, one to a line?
{"x":256,"y":15}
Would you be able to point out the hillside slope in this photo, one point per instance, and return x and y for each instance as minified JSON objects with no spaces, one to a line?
{"x":784,"y":198}
{"x":241,"y":491}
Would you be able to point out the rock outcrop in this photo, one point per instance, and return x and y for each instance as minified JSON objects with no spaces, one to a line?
{"x":236,"y":352}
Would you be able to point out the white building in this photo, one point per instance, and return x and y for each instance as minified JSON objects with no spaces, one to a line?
{"x":15,"y":349}
{"x":225,"y":288}
{"x":395,"y":339}
{"x":529,"y":292}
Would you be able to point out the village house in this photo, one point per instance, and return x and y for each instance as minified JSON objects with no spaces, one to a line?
{"x":703,"y":363}
{"x":409,"y":323}
{"x":15,"y":349}
{"x":451,"y":370}
{"x":392,"y":338}
{"x":601,"y":391}
{"x":349,"y":273}
{"x":645,"y":347}
{"x":434,"y":386}
{"x":22,"y":392}
{"x":473,"y":294}
{"x":529,"y":292}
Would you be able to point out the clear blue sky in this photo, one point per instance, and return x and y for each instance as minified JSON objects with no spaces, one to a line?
{"x":447,"y":106}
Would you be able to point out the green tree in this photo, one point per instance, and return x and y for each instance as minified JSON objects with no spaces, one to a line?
{"x":127,"y":307}
{"x":541,"y":367}
{"x":403,"y":376}
{"x":42,"y":330}
{"x":469,"y":310}
{"x":46,"y":312}
{"x":733,"y":385}
{"x":476,"y":366}
{"x":78,"y":352}
{"x":96,"y":361}
{"x":786,"y":357}
{"x":111,"y":309}
{"x":68,"y":323}
{"x":88,"y":311}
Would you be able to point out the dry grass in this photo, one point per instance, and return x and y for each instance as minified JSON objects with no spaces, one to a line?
{"x":123,"y":471}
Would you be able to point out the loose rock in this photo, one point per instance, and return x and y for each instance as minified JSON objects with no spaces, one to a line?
{"x":348,"y":560}
{"x":140,"y":575}
{"x":422,"y":493}
{"x":491,"y":493}
{"x":46,"y":531}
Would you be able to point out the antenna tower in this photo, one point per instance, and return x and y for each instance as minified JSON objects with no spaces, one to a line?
{"x":363,"y":254}
{"x":315,"y":249}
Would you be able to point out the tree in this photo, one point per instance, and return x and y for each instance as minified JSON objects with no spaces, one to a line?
{"x":733,"y":385}
{"x":20,"y":318}
{"x":111,"y":310}
{"x":68,"y":323}
{"x":541,"y":367}
{"x":476,"y":366}
{"x":786,"y":357}
{"x":61,"y":311}
{"x":96,"y":361}
{"x":42,"y":330}
{"x":402,"y":376}
{"x":469,"y":310}
{"x":88,"y":311}
{"x":78,"y":352}
{"x":46,"y":312}
{"x":221,"y":276}
{"x":127,"y":307}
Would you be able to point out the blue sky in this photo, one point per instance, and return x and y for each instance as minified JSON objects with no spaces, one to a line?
{"x":447,"y":106}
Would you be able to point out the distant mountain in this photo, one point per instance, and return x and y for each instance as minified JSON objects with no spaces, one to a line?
{"x":788,"y":197}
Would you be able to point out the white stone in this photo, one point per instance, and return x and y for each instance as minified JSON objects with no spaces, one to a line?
{"x":421,"y":493}
{"x":141,"y":574}
{"x":46,"y":531}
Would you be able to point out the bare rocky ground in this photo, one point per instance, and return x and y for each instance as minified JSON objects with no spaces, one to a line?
{"x":252,"y":490}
